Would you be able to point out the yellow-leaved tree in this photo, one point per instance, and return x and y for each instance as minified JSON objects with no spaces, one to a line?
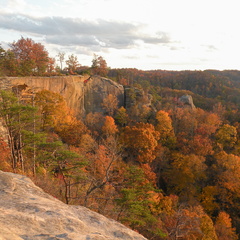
{"x":52,"y":108}
{"x":165,"y":128}
{"x":226,"y":136}
{"x":224,"y":228}
{"x":109,"y":128}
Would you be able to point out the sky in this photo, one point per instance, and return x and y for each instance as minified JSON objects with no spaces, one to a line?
{"x":148,"y":35}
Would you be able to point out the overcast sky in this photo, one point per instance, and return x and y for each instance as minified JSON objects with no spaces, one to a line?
{"x":143,"y":34}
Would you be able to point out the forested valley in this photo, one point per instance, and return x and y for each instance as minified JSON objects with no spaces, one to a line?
{"x":166,"y":169}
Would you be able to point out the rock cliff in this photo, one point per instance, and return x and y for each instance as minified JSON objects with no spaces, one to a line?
{"x":96,"y":89}
{"x":83,"y":94}
{"x":186,"y":101}
{"x":26,"y":212}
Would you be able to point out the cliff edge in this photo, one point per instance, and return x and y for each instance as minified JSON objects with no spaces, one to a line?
{"x":83,"y":94}
{"x":27,"y":212}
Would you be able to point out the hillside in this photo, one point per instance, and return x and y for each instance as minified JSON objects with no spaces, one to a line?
{"x":158,"y":151}
{"x":207,"y":87}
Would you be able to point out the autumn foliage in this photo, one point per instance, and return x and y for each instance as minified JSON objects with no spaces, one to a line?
{"x":164,"y":169}
{"x":31,"y":57}
{"x":140,"y":141}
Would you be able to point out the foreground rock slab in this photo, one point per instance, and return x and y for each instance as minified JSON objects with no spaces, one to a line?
{"x":27,"y":212}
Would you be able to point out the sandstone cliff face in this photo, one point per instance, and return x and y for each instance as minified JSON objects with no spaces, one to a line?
{"x":26,"y":212}
{"x":70,"y":87}
{"x":82,"y":93}
{"x":98,"y":88}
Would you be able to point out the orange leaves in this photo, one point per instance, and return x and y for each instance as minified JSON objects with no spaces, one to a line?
{"x":165,"y":128}
{"x":72,"y":132}
{"x":110,"y":104}
{"x":94,"y":122}
{"x":185,"y":173}
{"x":5,"y":156}
{"x":197,"y":138}
{"x":52,"y":107}
{"x":208,"y":198}
{"x":150,"y":175}
{"x":123,"y":81}
{"x":228,"y":167}
{"x":99,"y":66}
{"x":190,"y":223}
{"x":212,"y":120}
{"x":164,"y":120}
{"x":56,"y":115}
{"x":200,"y":145}
{"x":109,"y":127}
{"x":224,"y":228}
{"x":184,"y":121}
{"x":141,"y":141}
{"x":101,"y":161}
{"x":207,"y":123}
{"x":32,"y":57}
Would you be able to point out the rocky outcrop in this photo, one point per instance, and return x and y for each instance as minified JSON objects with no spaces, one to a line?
{"x":26,"y":212}
{"x":83,"y":94}
{"x":186,"y":101}
{"x":136,"y":96}
{"x":96,"y":89}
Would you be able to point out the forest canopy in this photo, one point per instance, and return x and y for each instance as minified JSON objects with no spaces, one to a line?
{"x":163,"y":168}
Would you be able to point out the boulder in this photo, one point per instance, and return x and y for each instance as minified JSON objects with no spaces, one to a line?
{"x":186,"y":101}
{"x":27,"y":212}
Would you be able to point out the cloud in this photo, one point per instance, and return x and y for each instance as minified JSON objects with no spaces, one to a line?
{"x":15,"y":5}
{"x":210,"y":48}
{"x":161,"y":37}
{"x":76,"y":31}
{"x":69,"y":41}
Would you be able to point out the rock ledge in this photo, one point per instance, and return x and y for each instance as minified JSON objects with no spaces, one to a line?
{"x":27,"y":212}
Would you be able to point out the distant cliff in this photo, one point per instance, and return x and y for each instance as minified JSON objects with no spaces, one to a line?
{"x":83,"y":94}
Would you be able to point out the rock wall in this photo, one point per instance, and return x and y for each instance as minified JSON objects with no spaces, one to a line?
{"x":26,"y":212}
{"x":98,"y":88}
{"x":83,"y":94}
{"x":70,"y":87}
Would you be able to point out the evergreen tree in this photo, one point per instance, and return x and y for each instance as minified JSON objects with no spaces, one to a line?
{"x":17,"y":118}
{"x":135,"y":201}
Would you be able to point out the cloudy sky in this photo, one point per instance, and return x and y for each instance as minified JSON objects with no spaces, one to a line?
{"x":143,"y":34}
